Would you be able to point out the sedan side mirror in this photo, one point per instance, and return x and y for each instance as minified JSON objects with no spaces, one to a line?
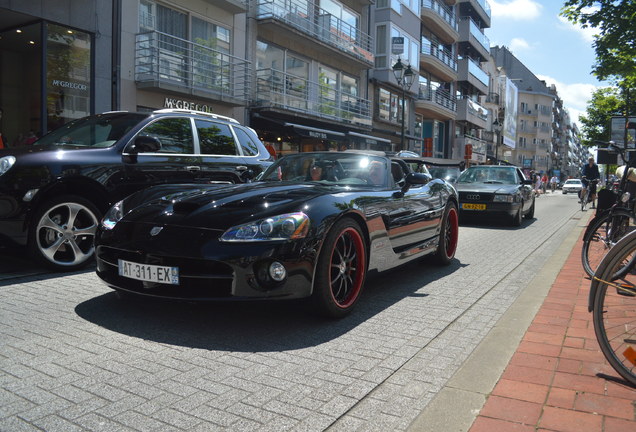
{"x":527,"y":182}
{"x":144,"y":144}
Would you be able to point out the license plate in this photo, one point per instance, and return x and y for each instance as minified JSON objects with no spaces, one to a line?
{"x":469,"y":206}
{"x":148,"y":272}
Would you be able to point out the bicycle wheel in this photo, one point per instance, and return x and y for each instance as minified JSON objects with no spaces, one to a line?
{"x":614,"y":309}
{"x":603,"y":232}
{"x":584,"y":198}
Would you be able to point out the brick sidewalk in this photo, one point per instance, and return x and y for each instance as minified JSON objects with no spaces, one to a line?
{"x":558,"y":379}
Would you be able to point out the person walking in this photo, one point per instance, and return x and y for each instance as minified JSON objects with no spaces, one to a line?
{"x":590,"y":175}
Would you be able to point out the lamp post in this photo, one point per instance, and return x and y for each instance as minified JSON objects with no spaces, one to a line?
{"x":496,"y":127}
{"x":404,"y":77}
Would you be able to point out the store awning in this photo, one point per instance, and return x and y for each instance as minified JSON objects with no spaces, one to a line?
{"x":313,"y":132}
{"x":368,"y":139}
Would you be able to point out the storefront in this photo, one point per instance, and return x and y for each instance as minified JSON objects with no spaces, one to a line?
{"x":47,"y":67}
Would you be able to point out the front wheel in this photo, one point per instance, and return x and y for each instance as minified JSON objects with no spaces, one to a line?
{"x":62,"y":233}
{"x":602,"y":234}
{"x":341,"y":270}
{"x":517,"y":219}
{"x":614,"y":310}
{"x":530,"y":213}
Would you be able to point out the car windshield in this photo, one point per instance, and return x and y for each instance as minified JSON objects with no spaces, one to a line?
{"x":101,"y":130}
{"x":449,"y":174}
{"x":573,"y":182}
{"x":490,"y":174}
{"x":341,"y":168}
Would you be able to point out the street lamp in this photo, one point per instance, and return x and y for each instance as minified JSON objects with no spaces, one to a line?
{"x":496,"y":127}
{"x":404,"y":77}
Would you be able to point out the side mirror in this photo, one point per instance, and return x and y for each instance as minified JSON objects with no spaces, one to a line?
{"x":527,"y":182}
{"x":144,"y":144}
{"x":418,"y":178}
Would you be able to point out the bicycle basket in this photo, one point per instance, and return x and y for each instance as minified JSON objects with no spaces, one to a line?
{"x":605,"y":199}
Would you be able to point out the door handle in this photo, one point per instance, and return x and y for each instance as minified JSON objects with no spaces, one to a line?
{"x":193,"y":168}
{"x":241,"y":168}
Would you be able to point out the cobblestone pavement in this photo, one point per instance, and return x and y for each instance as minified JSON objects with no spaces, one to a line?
{"x":74,"y":357}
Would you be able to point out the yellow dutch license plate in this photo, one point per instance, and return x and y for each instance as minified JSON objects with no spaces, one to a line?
{"x":468,"y":206}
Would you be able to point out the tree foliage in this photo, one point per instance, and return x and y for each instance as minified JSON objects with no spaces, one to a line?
{"x":605,"y":103}
{"x":615,"y":43}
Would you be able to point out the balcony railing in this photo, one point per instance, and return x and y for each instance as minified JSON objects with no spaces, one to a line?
{"x":478,"y":72}
{"x":478,"y":34}
{"x":445,"y":12}
{"x":443,"y":55}
{"x":162,"y":59}
{"x":281,"y":90}
{"x":440,"y":97}
{"x":309,"y":18}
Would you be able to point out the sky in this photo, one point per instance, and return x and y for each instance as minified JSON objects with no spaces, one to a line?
{"x":550,"y":46}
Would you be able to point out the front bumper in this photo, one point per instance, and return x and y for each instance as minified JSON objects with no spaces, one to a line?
{"x":208,"y":269}
{"x":492,"y":208}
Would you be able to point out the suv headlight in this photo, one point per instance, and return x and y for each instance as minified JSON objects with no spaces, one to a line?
{"x":113,"y":215}
{"x":6,"y":163}
{"x":504,"y":198}
{"x":288,"y":226}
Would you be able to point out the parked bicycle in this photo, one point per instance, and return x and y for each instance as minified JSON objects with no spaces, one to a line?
{"x":612,"y":302}
{"x":614,"y":218}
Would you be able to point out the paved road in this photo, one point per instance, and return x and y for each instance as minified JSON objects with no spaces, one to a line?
{"x":74,"y":357}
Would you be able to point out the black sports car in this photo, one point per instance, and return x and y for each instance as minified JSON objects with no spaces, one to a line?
{"x":495,"y":190}
{"x":312,"y":225}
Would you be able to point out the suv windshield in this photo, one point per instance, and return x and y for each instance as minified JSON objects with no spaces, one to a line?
{"x":101,"y":130}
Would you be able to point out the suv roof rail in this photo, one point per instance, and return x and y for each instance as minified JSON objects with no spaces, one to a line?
{"x":203,"y":113}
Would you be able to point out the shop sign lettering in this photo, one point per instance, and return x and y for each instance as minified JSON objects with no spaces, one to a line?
{"x":68,"y":84}
{"x":183,"y":104}
{"x":320,"y":135}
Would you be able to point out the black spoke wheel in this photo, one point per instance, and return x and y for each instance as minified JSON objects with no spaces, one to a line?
{"x":602,"y":234}
{"x":449,"y":234}
{"x":341,"y":270}
{"x":614,"y":309}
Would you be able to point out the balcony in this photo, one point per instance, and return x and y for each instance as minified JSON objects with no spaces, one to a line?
{"x":480,"y":147}
{"x":283,"y":92}
{"x":181,"y":66}
{"x":480,"y":8}
{"x":292,"y":19}
{"x":440,"y":62}
{"x":437,"y":104}
{"x":234,"y":6}
{"x":441,"y":20}
{"x":468,"y":70}
{"x":472,"y":112}
{"x":473,"y":39}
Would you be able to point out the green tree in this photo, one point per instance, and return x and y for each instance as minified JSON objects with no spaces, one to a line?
{"x":605,"y":103}
{"x":615,"y":43}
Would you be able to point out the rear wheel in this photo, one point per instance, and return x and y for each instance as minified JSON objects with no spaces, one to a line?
{"x":62,"y":233}
{"x":341,"y":270}
{"x":448,"y":235}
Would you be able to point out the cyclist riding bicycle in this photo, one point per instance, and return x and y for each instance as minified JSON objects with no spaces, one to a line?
{"x":590,"y":175}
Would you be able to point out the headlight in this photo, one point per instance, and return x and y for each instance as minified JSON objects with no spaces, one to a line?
{"x":114,"y":215}
{"x":283,"y":227}
{"x":504,"y":198}
{"x":6,"y":163}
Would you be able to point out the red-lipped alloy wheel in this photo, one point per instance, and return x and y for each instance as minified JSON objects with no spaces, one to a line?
{"x":347,"y":267}
{"x":451,"y":233}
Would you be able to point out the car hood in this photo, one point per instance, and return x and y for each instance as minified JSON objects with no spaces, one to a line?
{"x":486,"y":187}
{"x":219,"y":206}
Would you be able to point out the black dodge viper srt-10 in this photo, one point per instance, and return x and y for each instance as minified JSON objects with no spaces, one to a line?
{"x":312,"y":225}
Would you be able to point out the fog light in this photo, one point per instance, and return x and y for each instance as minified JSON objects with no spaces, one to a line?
{"x":277,"y":271}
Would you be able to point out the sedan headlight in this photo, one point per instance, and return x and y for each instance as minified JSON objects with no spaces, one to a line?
{"x":6,"y":163}
{"x":504,"y":198}
{"x":288,"y":226}
{"x":114,"y":215}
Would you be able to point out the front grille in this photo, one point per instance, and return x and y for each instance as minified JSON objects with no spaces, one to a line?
{"x":475,"y":197}
{"x":198,"y":278}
